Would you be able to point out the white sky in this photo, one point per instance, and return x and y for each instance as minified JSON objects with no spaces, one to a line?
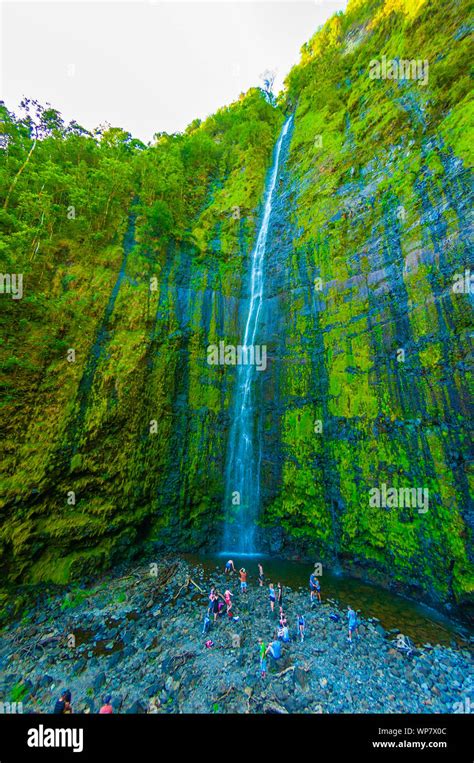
{"x":149,"y":65}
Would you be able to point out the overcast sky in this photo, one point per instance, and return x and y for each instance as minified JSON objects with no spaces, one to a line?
{"x":149,"y":65}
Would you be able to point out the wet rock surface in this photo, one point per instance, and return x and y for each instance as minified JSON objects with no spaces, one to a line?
{"x":138,"y":636}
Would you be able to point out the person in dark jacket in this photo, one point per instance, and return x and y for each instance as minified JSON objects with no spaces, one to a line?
{"x":63,"y":704}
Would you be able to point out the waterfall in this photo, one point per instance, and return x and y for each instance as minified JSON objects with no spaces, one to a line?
{"x":242,"y":495}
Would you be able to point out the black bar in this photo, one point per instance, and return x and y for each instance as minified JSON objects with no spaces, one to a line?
{"x":156,"y":737}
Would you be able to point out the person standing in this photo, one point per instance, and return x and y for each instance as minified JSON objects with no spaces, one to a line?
{"x":260,"y":574}
{"x":215,"y":604}
{"x":207,"y":621}
{"x":318,"y":590}
{"x":314,"y":587}
{"x":211,"y":600}
{"x":271,"y":591}
{"x":263,"y":659}
{"x":353,"y":623}
{"x":301,"y":627}
{"x":228,"y":600}
{"x":243,"y":580}
{"x":280,"y":596}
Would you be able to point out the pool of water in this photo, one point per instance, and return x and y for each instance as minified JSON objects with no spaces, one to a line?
{"x":421,"y":623}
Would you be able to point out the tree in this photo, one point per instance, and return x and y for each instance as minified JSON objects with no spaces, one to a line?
{"x":268,"y":79}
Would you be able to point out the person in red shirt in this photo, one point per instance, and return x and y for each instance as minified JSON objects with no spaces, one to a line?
{"x":243,"y":580}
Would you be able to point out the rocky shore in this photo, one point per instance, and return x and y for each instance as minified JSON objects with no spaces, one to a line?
{"x":138,"y":636}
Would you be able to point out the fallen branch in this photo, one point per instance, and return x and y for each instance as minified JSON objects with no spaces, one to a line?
{"x":277,"y":675}
{"x":226,"y":694}
{"x":185,"y":585}
{"x":195,"y":584}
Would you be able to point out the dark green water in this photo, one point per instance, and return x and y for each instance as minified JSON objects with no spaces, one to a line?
{"x":418,"y":621}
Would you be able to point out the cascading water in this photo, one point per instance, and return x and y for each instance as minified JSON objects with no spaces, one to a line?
{"x":242,"y":499}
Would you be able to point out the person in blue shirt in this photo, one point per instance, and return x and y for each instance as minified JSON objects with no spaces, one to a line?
{"x":271,"y":591}
{"x":274,"y":648}
{"x":301,"y":626}
{"x":314,"y":587}
{"x":353,"y":623}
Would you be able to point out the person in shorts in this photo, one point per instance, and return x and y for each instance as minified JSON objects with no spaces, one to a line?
{"x":271,"y":591}
{"x":243,"y":580}
{"x":353,"y":623}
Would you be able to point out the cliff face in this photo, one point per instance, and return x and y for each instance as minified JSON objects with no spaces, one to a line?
{"x":115,"y":424}
{"x":372,"y":371}
{"x":367,"y":382}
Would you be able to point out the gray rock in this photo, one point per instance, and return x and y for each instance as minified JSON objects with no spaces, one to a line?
{"x":154,"y":689}
{"x":114,"y":660}
{"x":274,"y":708}
{"x":80,"y":665}
{"x":137,"y":707}
{"x":98,"y":682}
{"x":117,"y":701}
{"x":301,"y":678}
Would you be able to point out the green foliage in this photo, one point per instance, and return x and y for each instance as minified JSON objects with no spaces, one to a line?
{"x":74,"y":599}
{"x":18,"y":692}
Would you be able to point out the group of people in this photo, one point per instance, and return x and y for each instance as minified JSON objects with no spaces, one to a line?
{"x":218,"y":602}
{"x":282,"y":634}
